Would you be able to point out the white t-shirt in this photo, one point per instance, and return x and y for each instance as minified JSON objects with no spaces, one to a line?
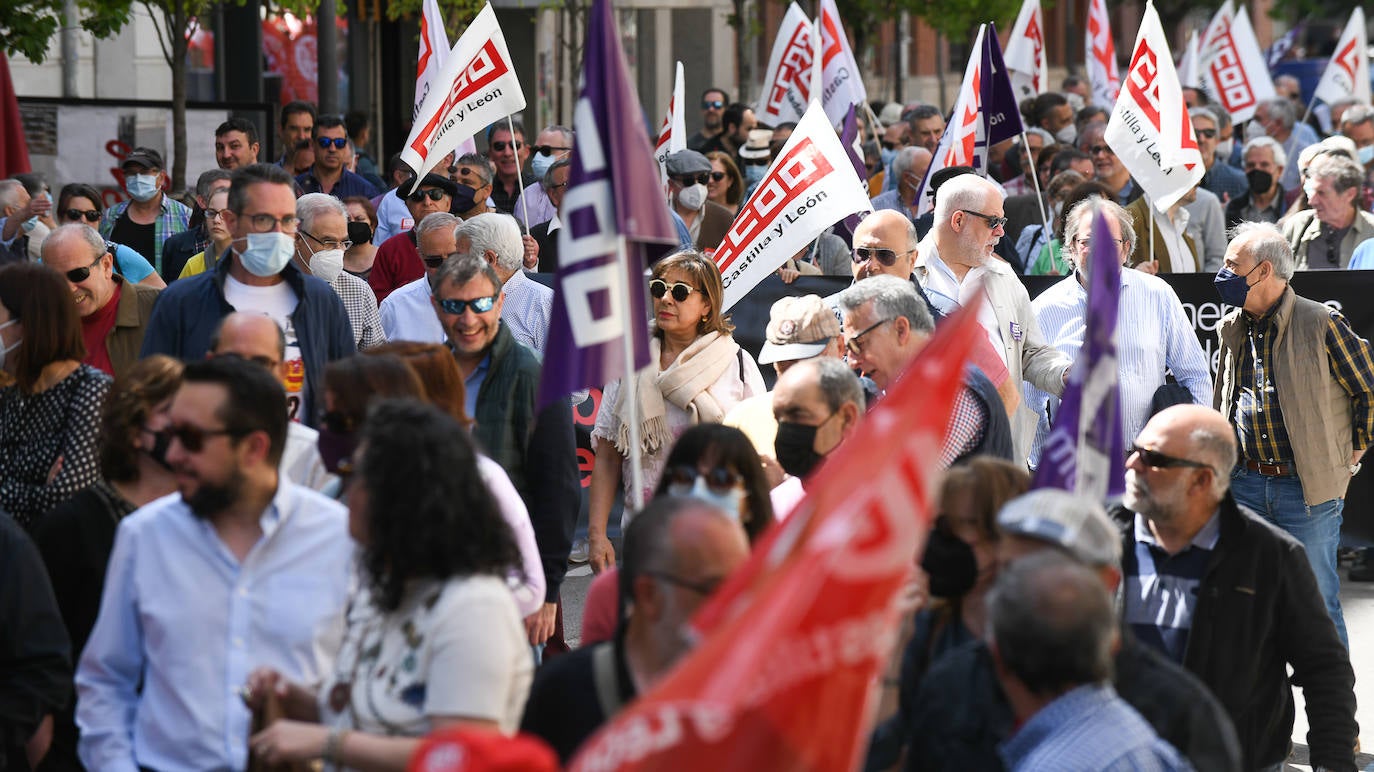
{"x":277,"y":301}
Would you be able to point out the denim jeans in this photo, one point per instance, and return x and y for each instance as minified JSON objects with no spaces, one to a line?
{"x":1279,"y":500}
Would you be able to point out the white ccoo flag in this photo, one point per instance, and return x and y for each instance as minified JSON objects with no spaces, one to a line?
{"x":1025,"y":54}
{"x":787,"y":81}
{"x":1100,"y":56}
{"x":433,"y":50}
{"x":1150,"y":130}
{"x":1231,"y":65}
{"x":963,"y":143}
{"x":1347,"y":74}
{"x":476,"y":88}
{"x":672,"y":137}
{"x":1188,"y":66}
{"x":842,"y":78}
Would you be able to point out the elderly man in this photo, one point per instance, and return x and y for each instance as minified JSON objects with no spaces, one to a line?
{"x":150,"y":216}
{"x":526,"y":305}
{"x":398,"y":258}
{"x":321,"y":240}
{"x":114,"y":313}
{"x":886,"y":326}
{"x":961,"y":269}
{"x":1264,"y":199}
{"x":1107,"y":168}
{"x":1278,"y":118}
{"x":1228,"y":595}
{"x":1325,"y":236}
{"x":1357,"y":123}
{"x":545,"y":234}
{"x":1298,"y":385}
{"x":885,"y":244}
{"x":908,"y":168}
{"x":328,"y":175}
{"x":1221,"y":178}
{"x":408,"y":313}
{"x":1158,"y":337}
{"x":181,"y":247}
{"x":817,"y":405}
{"x":554,"y":144}
{"x":677,"y":552}
{"x":707,"y":222}
{"x":19,"y":215}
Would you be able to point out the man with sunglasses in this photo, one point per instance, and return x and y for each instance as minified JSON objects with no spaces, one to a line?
{"x":398,"y":258}
{"x":1223,"y":179}
{"x":1107,"y":168}
{"x":706,"y":140}
{"x":239,"y":569}
{"x":1228,"y":595}
{"x":554,"y":144}
{"x":507,"y":153}
{"x":328,"y":175}
{"x":114,"y":313}
{"x":150,"y":216}
{"x":707,"y":222}
{"x":408,"y":313}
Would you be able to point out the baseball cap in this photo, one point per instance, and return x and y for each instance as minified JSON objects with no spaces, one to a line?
{"x":465,"y":749}
{"x":1076,"y":523}
{"x":146,"y":157}
{"x":798,"y":328}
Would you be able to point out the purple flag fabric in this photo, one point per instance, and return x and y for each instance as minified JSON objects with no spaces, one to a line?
{"x":613,"y":195}
{"x":848,"y":133}
{"x":1001,"y":117}
{"x":1283,"y":45}
{"x":1085,"y":452}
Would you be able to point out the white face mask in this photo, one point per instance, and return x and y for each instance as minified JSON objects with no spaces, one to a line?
{"x":730,"y":503}
{"x":267,"y":253}
{"x":692,"y":196}
{"x":1067,"y":134}
{"x":1225,"y":147}
{"x":5,"y":350}
{"x":325,"y":264}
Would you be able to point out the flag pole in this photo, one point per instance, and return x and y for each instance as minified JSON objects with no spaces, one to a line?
{"x":874,"y":123}
{"x":1035,"y":181}
{"x":628,"y":390}
{"x":519,"y":177}
{"x":1308,"y":112}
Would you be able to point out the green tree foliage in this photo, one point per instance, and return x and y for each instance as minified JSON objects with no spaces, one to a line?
{"x":27,"y":26}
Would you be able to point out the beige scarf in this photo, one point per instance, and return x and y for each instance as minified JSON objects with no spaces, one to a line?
{"x":684,"y":384}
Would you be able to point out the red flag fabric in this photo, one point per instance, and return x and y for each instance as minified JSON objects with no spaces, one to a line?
{"x":14,"y":150}
{"x":791,"y":644}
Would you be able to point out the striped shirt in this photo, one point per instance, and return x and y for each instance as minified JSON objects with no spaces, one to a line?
{"x":526,"y":309}
{"x":1165,"y":341}
{"x":1089,"y":729}
{"x":361,"y":306}
{"x":1162,"y":594}
{"x":173,"y":218}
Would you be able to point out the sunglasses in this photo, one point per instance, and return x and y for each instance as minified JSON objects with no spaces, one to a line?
{"x":1205,"y":133}
{"x":1156,"y":460}
{"x":993,"y":222}
{"x":434,"y":261}
{"x":689,"y":179}
{"x":72,"y":215}
{"x":717,"y":176}
{"x":547,"y":150}
{"x":720,"y":480}
{"x":756,"y":161}
{"x":479,"y":305}
{"x":193,"y":437}
{"x":883,"y":255}
{"x":501,"y":147}
{"x":339,"y":143}
{"x":854,"y":344}
{"x":712,"y":104}
{"x":434,"y":194}
{"x":658,"y":288}
{"x":78,"y":275}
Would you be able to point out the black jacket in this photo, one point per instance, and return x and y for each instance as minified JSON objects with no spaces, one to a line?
{"x":1259,"y":612}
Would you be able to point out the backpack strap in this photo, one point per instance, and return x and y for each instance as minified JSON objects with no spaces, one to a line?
{"x":603,"y":673}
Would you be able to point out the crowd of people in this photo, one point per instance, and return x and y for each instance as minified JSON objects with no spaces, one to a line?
{"x":277,"y":488}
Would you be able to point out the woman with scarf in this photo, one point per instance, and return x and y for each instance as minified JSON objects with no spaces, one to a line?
{"x":696,"y":374}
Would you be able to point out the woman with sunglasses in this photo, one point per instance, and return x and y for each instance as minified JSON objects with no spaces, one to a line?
{"x":696,"y":374}
{"x":50,"y":409}
{"x":75,"y":539}
{"x":220,"y":237}
{"x":433,"y":637}
{"x":726,"y":186}
{"x":78,"y":203}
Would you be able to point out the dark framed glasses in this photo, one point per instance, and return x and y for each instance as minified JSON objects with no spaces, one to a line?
{"x":78,"y":275}
{"x":478,"y":305}
{"x":719,"y":479}
{"x":214,"y":214}
{"x":193,"y":437}
{"x":433,"y":194}
{"x":434,"y":261}
{"x":680,"y":290}
{"x":1086,"y":245}
{"x":700,"y":588}
{"x":73,"y":215}
{"x":547,"y":150}
{"x":1095,"y":149}
{"x":883,"y":255}
{"x":855,"y":344}
{"x":264,"y":223}
{"x":1205,"y":133}
{"x":717,"y":176}
{"x":693,"y":179}
{"x":501,"y":147}
{"x":1156,"y":460}
{"x":327,"y":243}
{"x":339,"y":143}
{"x":993,"y":221}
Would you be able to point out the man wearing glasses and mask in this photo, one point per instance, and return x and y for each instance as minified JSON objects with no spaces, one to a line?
{"x":707,"y":221}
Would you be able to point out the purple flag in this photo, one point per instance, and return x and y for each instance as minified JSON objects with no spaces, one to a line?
{"x":613,"y":198}
{"x":1001,"y":116}
{"x":1085,"y":452}
{"x":1280,"y":48}
{"x":849,"y":132}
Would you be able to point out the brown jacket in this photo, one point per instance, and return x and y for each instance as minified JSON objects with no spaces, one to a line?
{"x":715,"y":223}
{"x":131,"y":319}
{"x":1142,"y":221}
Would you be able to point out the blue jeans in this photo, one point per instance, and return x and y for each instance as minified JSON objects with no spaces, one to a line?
{"x":1279,"y":500}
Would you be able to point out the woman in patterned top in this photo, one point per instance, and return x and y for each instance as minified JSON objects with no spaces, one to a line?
{"x":434,"y":638}
{"x":50,"y":405}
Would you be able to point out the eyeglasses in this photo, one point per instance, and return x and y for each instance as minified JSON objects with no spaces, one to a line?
{"x":719,"y":479}
{"x":717,"y":176}
{"x":78,"y":275}
{"x":339,"y":143}
{"x":465,"y":171}
{"x":434,"y":194}
{"x":1205,"y":133}
{"x":479,"y":305}
{"x":1156,"y":460}
{"x":1095,"y":149}
{"x":264,"y":223}
{"x":434,"y":261}
{"x":214,"y":214}
{"x":764,"y":161}
{"x":547,"y":150}
{"x":701,"y":588}
{"x":328,"y":243}
{"x":558,"y":185}
{"x":690,"y":179}
{"x":883,"y":255}
{"x":501,"y":147}
{"x":658,"y":288}
{"x":854,"y":344}
{"x":993,"y":222}
{"x":712,"y":104}
{"x":72,"y":215}
{"x":193,"y":437}
{"x":1086,"y":245}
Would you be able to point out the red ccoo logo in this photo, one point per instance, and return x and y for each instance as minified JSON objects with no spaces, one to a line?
{"x":486,"y":66}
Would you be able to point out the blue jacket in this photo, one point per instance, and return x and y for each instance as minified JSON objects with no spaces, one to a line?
{"x":188,"y":311}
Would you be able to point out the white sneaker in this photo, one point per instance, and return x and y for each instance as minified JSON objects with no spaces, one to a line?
{"x":579,"y":553}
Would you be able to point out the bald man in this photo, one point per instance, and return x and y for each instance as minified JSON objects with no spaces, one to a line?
{"x":885,"y":245}
{"x":1229,"y":596}
{"x":258,"y":339}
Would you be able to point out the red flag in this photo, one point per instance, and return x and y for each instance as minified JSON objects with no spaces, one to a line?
{"x":791,"y":644}
{"x":14,"y":151}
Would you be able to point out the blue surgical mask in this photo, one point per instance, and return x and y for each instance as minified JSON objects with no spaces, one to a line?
{"x":754,"y":174}
{"x":729,"y":502}
{"x":1366,"y":154}
{"x":888,"y":156}
{"x":143,"y":187}
{"x":267,"y":253}
{"x":29,"y":224}
{"x":540,"y":164}
{"x":1232,"y":286}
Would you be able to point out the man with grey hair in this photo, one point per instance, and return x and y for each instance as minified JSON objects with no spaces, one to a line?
{"x":408,"y":313}
{"x":1265,"y":199}
{"x":527,"y":304}
{"x":1278,"y":118}
{"x":1298,"y":385}
{"x":960,"y":269}
{"x":19,"y":212}
{"x":1163,"y":341}
{"x":180,"y":247}
{"x":1227,"y":594}
{"x":1357,"y":123}
{"x":1325,"y":236}
{"x":1221,"y":178}
{"x":545,"y":234}
{"x":886,"y":325}
{"x":817,"y":403}
{"x":908,"y":169}
{"x":554,"y":144}
{"x":321,"y":239}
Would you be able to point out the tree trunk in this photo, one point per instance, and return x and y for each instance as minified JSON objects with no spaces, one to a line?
{"x":179,"y":46}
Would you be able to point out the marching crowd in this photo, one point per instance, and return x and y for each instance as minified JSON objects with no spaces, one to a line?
{"x":277,"y":487}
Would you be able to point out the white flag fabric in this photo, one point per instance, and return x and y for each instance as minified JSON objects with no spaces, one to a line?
{"x":964,"y":142}
{"x":1025,"y":55}
{"x":433,"y":50}
{"x":1347,"y":74}
{"x":842,"y":78}
{"x":1100,"y":57}
{"x":1188,"y":66}
{"x":810,"y":186}
{"x":1149,"y":129}
{"x":476,"y":88}
{"x":1231,"y":65}
{"x":672,"y":137}
{"x":787,"y":81}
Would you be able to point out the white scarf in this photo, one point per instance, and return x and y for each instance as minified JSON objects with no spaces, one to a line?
{"x":684,"y":383}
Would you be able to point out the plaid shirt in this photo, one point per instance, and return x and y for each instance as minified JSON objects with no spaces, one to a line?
{"x":361,"y":306}
{"x":1258,"y":414}
{"x":174,"y":218}
{"x":967,"y":425}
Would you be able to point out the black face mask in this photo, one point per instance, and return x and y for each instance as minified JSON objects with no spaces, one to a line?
{"x":950,"y":563}
{"x":359,"y":232}
{"x":465,"y":199}
{"x":795,"y":447}
{"x":161,"y":442}
{"x":1260,"y":181}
